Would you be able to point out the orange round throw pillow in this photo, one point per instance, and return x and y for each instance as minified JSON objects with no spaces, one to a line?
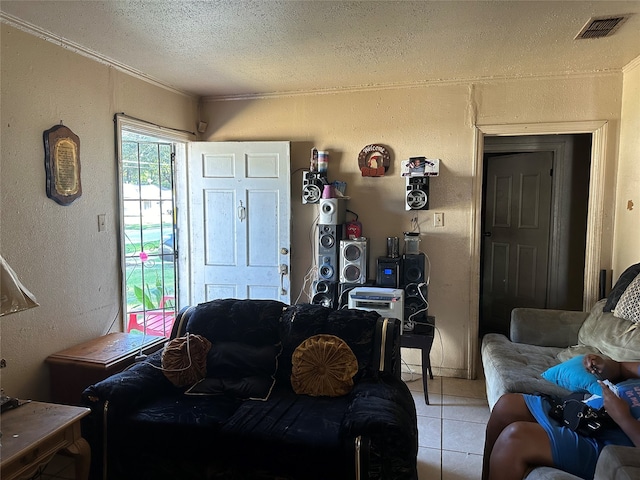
{"x":323,"y":365}
{"x":184,"y":359}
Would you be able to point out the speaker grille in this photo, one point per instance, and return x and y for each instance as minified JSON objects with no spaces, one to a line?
{"x":352,"y":253}
{"x":327,"y":240}
{"x":352,"y":273}
{"x":413,"y":268}
{"x":325,"y":294}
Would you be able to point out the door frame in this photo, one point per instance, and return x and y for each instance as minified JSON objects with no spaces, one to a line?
{"x":534,"y":143}
{"x":599,"y":131}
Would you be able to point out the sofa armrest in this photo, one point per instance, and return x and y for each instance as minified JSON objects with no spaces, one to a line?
{"x":549,"y":473}
{"x":130,"y":388}
{"x":618,"y":463}
{"x":386,"y":351}
{"x":382,"y":412}
{"x":546,"y":328}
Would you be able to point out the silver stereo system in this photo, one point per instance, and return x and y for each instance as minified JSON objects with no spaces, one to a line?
{"x":354,"y":259}
{"x":417,"y":196}
{"x":333,"y":211}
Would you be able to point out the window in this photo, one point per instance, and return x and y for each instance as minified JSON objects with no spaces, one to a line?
{"x":146,"y":160}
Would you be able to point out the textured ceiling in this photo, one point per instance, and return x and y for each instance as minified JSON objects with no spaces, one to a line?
{"x":238,"y":47}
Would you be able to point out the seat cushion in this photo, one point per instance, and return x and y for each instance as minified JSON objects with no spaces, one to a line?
{"x":517,"y":367}
{"x":253,"y":322}
{"x":621,"y":285}
{"x":355,"y":327}
{"x":610,"y":335}
{"x":179,"y":426}
{"x":290,"y":432}
{"x":245,"y":346}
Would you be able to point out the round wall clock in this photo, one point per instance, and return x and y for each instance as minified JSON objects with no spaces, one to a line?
{"x":374,"y":161}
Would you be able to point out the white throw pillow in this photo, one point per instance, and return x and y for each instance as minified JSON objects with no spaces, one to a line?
{"x":628,"y":306}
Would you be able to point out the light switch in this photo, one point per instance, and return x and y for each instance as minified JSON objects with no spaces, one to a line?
{"x":102,"y":222}
{"x":438,"y":219}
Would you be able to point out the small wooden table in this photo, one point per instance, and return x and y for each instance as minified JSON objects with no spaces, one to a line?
{"x":34,"y":432}
{"x":423,"y":341}
{"x":74,"y":369}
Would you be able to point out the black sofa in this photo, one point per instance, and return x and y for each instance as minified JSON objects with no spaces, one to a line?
{"x":241,"y":427}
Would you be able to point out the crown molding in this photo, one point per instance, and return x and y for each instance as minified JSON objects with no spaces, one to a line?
{"x":86,"y":52}
{"x":397,"y":86}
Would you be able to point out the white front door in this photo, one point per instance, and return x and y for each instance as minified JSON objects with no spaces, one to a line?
{"x":238,"y":220}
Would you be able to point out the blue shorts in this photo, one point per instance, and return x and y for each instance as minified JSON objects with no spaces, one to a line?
{"x":571,"y":452}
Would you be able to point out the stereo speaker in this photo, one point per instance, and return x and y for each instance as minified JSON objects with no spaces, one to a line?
{"x":328,"y":267}
{"x":326,"y":294}
{"x":415,"y":308}
{"x":413,"y":268}
{"x":417,"y":195}
{"x":329,"y":237}
{"x":333,"y":211}
{"x":354,"y":257}
{"x":312,"y":185}
{"x":415,"y":315}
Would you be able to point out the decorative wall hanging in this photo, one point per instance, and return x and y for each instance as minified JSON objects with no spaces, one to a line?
{"x":62,"y":164}
{"x":374,"y":161}
{"x":420,"y":167}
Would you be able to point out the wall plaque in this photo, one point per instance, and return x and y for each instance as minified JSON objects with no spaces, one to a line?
{"x":374,"y":161}
{"x":62,"y":164}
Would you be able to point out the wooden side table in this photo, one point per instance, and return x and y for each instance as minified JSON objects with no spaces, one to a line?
{"x":74,"y":369}
{"x":423,"y":341}
{"x":34,"y":432}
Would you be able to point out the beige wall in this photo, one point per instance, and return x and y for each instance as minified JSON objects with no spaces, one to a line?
{"x":434,"y":121}
{"x":57,"y":251}
{"x":627,"y":207}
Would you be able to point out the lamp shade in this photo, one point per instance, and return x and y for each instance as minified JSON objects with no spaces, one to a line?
{"x":14,"y":296}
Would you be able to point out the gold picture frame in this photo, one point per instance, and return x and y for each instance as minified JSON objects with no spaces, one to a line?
{"x":62,"y":164}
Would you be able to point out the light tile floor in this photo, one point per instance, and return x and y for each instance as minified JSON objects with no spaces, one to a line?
{"x":451,"y":428}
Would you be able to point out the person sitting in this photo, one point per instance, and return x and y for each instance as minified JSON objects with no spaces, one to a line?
{"x":521,"y":435}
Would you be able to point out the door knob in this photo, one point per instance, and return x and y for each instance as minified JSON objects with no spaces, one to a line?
{"x":487,"y":234}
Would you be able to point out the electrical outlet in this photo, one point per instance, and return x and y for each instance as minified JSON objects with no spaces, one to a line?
{"x":438,"y":219}
{"x":102,"y":222}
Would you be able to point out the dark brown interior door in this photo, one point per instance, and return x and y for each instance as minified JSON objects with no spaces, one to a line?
{"x":516,"y":226}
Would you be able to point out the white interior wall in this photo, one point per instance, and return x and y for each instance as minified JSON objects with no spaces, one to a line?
{"x":626,"y":250}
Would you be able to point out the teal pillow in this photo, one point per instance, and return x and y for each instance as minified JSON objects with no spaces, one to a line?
{"x":573,"y":376}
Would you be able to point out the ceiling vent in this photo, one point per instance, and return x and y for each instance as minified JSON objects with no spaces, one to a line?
{"x":598,"y":27}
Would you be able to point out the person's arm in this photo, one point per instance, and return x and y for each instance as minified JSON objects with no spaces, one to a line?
{"x":618,"y":409}
{"x":610,"y":369}
{"x":630,"y":369}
